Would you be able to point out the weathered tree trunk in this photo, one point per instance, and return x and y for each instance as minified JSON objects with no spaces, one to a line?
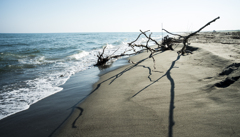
{"x":167,"y":42}
{"x":101,"y":60}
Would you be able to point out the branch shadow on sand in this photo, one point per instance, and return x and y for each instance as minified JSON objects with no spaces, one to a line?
{"x":96,"y":88}
{"x":81,"y":111}
{"x":113,"y":78}
{"x":172,"y":95}
{"x":171,"y":106}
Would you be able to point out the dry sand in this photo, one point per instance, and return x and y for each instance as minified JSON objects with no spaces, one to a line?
{"x":197,"y":95}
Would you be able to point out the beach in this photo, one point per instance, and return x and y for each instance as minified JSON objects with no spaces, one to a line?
{"x":46,"y":117}
{"x":195,"y":94}
{"x":191,"y":95}
{"x":119,"y":68}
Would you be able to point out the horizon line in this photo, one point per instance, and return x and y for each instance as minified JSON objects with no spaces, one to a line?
{"x":103,"y":32}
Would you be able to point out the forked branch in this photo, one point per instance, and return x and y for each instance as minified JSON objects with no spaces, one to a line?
{"x":185,"y":38}
{"x":167,"y":43}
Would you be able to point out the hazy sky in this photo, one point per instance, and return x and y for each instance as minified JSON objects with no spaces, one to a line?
{"x":44,"y":16}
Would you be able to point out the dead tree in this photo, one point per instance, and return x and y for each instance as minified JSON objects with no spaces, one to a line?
{"x":180,"y":36}
{"x":149,"y":38}
{"x":167,"y":43}
{"x":103,"y":60}
{"x":146,"y":47}
{"x":185,"y":38}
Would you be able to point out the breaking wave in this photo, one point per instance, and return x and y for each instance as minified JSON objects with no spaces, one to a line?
{"x":43,"y":62}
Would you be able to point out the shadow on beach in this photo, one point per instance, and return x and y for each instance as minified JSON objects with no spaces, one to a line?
{"x":112,"y":79}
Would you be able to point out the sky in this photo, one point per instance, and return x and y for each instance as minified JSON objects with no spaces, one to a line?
{"x":58,"y":16}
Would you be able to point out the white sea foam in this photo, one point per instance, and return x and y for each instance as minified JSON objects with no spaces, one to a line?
{"x":20,"y":99}
{"x":17,"y":98}
{"x":32,"y":61}
{"x":79,"y":55}
{"x":109,"y":46}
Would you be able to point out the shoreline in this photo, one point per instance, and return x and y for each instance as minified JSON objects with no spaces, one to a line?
{"x":46,"y":116}
{"x":179,"y":98}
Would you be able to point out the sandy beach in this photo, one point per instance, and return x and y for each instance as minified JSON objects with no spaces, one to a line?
{"x":119,"y":68}
{"x":193,"y":95}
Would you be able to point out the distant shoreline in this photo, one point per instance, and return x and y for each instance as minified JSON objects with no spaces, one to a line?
{"x":111,"y":32}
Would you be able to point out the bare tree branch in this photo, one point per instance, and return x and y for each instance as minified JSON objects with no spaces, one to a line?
{"x":137,"y":37}
{"x":180,"y":36}
{"x":185,"y":40}
{"x":144,"y":33}
{"x":167,"y":43}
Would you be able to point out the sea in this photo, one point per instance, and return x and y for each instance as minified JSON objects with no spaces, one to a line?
{"x":33,"y":66}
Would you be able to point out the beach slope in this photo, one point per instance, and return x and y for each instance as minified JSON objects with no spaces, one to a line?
{"x":195,"y":95}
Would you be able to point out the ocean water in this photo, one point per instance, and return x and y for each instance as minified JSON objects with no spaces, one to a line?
{"x":33,"y":66}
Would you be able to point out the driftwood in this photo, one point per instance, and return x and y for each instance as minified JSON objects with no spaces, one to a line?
{"x":166,"y":44}
{"x":180,"y":36}
{"x":103,"y":60}
{"x":185,"y":38}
